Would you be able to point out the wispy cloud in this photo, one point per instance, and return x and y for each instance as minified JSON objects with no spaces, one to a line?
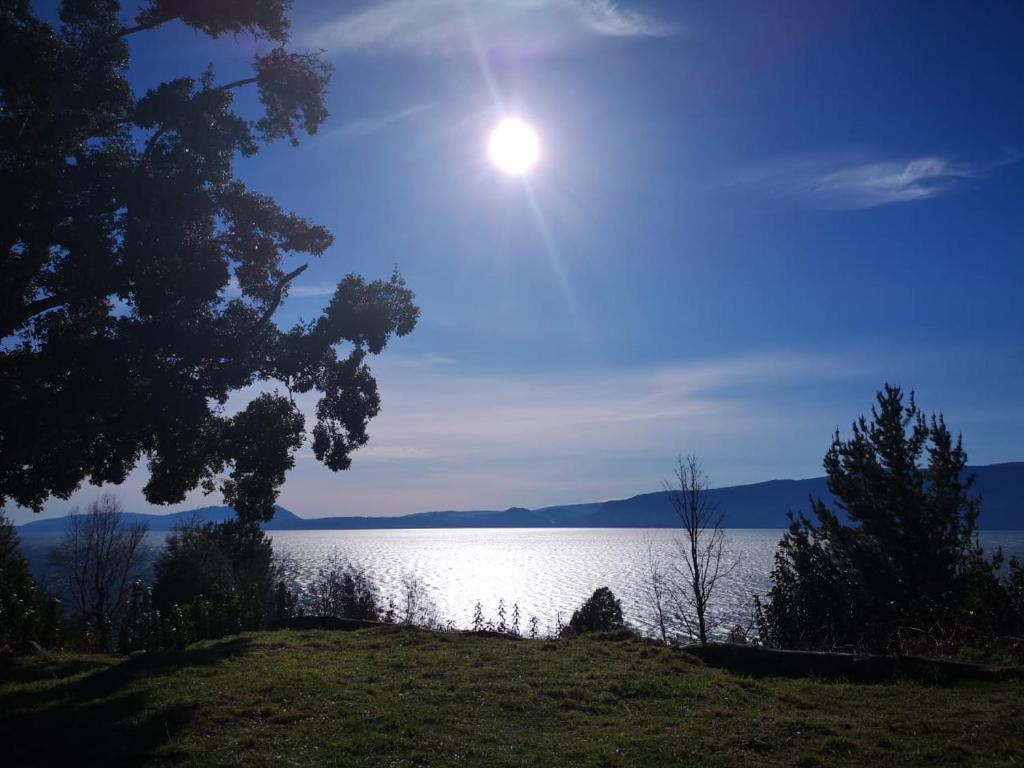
{"x":427,"y":27}
{"x":308,"y":290}
{"x":357,"y":129}
{"x":843,"y":182}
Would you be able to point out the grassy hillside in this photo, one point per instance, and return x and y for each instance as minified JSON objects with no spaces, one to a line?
{"x":403,"y":697}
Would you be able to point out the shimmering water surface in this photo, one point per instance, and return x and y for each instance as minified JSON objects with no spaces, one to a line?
{"x":546,"y":572}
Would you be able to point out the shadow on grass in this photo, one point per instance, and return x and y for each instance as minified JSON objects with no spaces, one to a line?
{"x":99,"y":719}
{"x":31,"y":670}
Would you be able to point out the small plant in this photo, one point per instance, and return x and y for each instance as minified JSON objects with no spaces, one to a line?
{"x":738,"y":636}
{"x":502,"y":626}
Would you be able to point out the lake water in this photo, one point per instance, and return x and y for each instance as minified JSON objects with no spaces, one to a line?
{"x":547,"y":571}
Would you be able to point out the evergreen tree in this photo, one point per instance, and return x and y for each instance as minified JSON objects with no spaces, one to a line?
{"x":898,"y":560}
{"x":139,"y":277}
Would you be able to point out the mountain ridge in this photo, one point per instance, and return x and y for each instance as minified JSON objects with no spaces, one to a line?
{"x":754,"y":505}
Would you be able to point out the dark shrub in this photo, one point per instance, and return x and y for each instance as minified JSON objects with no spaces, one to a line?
{"x":1015,"y":594}
{"x":599,"y":613}
{"x":231,"y":567}
{"x":23,"y":616}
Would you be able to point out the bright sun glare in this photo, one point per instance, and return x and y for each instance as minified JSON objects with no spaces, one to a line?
{"x":514,"y":146}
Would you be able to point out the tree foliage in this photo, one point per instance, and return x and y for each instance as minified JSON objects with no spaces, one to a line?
{"x":898,"y":562}
{"x":139,"y":277}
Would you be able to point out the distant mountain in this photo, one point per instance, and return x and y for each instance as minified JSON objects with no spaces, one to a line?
{"x":761,"y":505}
{"x":282,"y":520}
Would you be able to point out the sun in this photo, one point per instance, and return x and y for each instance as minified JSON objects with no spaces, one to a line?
{"x":514,"y":146}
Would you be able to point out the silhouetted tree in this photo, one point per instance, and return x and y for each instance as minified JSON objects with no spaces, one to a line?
{"x":98,"y":558}
{"x":602,"y":611}
{"x":139,"y":278}
{"x":908,"y":560}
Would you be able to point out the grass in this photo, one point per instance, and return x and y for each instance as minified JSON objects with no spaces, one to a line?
{"x":404,"y":697}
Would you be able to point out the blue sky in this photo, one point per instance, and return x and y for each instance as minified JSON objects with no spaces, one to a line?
{"x":746,"y":218}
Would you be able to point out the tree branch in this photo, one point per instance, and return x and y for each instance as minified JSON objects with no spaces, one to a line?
{"x":278,"y":295}
{"x":237,"y":83}
{"x":19,"y":317}
{"x":143,"y":27}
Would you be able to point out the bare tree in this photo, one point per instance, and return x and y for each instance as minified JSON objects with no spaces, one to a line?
{"x":99,"y":557}
{"x":701,"y":560}
{"x":415,"y":606}
{"x":657,"y":588}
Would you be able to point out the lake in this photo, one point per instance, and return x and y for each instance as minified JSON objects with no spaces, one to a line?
{"x":548,"y":572}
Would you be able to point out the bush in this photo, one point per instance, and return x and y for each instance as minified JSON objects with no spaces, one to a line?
{"x":343,"y":590}
{"x":601,"y":612}
{"x":227,"y":571}
{"x":414,"y":606}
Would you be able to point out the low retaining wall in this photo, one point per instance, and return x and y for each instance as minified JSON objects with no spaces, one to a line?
{"x":865,"y":668}
{"x":325,"y":622}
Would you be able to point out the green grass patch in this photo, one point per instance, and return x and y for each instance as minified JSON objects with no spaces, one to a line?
{"x":403,"y":697}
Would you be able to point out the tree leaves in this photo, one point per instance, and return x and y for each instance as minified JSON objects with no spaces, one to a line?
{"x":139,"y":277}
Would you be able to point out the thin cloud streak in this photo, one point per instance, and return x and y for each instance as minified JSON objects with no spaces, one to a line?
{"x":850,"y":184}
{"x":450,"y":416}
{"x":441,"y":27}
{"x":449,"y":438}
{"x":309,"y":290}
{"x":368,"y":126}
